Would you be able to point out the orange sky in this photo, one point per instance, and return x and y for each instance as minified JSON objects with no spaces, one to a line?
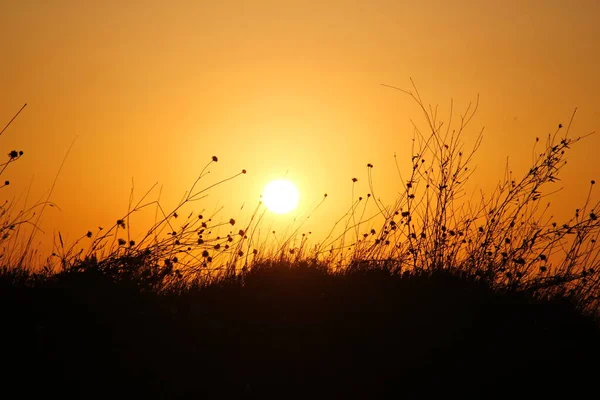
{"x":153,"y":89}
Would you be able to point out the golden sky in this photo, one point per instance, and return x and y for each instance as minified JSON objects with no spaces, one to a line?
{"x":153,"y":89}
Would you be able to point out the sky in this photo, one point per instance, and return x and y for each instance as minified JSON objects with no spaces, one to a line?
{"x":148,"y":91}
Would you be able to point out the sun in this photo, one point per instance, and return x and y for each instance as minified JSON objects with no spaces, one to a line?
{"x":280,"y":196}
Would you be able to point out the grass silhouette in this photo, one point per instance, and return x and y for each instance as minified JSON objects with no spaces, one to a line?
{"x":292,"y":329}
{"x":482,"y":299}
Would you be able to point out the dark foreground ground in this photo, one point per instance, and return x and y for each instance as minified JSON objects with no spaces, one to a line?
{"x":292,"y":333}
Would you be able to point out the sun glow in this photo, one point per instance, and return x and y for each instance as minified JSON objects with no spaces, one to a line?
{"x":280,"y":196}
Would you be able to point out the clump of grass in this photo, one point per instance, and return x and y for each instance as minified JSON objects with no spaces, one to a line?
{"x":505,"y":238}
{"x":176,"y":249}
{"x":15,"y":251}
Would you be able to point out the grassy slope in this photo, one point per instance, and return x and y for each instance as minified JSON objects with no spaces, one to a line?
{"x":291,"y":330}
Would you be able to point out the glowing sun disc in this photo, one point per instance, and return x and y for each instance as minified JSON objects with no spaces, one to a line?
{"x":280,"y":196}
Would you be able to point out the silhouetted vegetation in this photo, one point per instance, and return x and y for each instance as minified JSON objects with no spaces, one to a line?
{"x":444,"y":297}
{"x":290,"y":329}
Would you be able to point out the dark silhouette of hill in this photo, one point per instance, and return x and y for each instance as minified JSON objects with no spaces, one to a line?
{"x":286,"y":331}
